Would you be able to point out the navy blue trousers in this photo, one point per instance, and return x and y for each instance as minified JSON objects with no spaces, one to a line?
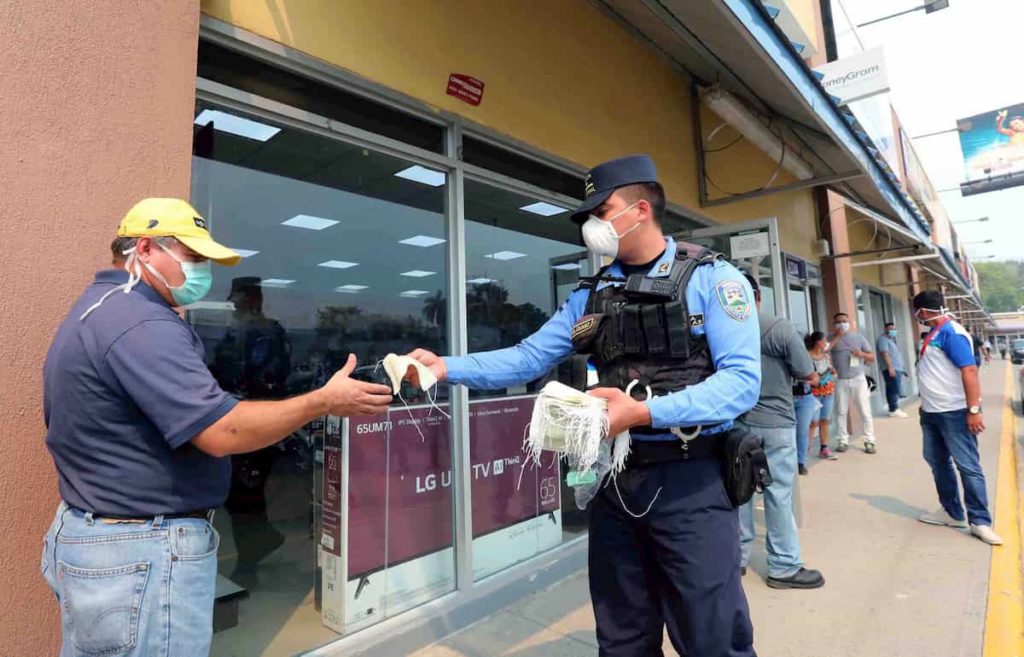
{"x":676,"y":567}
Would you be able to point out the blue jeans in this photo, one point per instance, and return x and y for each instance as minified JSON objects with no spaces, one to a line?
{"x":132,"y":589}
{"x":782,"y":542}
{"x":827,"y":402}
{"x":892,"y":389}
{"x":947,"y":441}
{"x":806,"y":407}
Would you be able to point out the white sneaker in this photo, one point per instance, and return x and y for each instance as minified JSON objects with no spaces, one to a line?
{"x":985,"y":534}
{"x":940,"y":517}
{"x":898,"y":413}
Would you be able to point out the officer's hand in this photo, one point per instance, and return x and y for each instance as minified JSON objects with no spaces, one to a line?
{"x":624,"y":412}
{"x":975,"y":423}
{"x":433,"y":362}
{"x":892,"y":373}
{"x":347,"y":396}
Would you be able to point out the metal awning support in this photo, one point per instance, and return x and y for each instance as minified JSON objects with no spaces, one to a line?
{"x":883,"y":221}
{"x":887,"y":261}
{"x":821,"y":181}
{"x":872,"y":251}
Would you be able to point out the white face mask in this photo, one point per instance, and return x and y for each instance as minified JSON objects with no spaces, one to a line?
{"x":843,"y":326}
{"x":600,"y":236}
{"x":942,"y":312}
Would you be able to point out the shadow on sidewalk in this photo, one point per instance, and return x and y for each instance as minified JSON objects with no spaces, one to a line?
{"x":891,"y":505}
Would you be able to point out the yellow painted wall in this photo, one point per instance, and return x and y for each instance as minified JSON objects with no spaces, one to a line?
{"x":558,"y":74}
{"x":806,"y":15}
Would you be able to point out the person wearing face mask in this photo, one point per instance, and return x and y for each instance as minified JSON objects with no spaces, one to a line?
{"x":850,"y":352}
{"x":892,"y":368}
{"x":140,"y":434}
{"x":951,"y":419}
{"x":671,"y":331}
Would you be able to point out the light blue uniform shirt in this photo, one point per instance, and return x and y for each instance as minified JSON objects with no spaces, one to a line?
{"x":887,"y":345}
{"x":718,"y":294}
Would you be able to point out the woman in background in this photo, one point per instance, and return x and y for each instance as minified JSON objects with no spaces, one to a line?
{"x":823,"y":392}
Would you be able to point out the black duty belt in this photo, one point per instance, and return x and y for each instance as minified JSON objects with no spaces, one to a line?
{"x":203,"y":514}
{"x":652,"y":452}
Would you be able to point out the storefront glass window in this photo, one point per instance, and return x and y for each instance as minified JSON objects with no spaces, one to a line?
{"x":523,"y":257}
{"x":345,"y":254}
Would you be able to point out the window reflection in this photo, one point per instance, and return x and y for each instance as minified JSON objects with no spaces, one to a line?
{"x":522,"y":261}
{"x":345,"y":254}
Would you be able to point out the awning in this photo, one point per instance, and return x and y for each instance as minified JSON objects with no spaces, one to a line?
{"x":736,"y":44}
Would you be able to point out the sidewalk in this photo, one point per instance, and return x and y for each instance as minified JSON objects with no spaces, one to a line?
{"x":894,"y":586}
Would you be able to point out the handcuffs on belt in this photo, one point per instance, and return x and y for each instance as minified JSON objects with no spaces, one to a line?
{"x":684,"y":437}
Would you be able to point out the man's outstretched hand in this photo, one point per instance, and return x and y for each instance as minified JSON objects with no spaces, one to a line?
{"x":432,"y":361}
{"x":347,"y":396}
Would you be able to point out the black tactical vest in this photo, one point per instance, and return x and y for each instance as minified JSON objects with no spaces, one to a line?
{"x":640,"y":331}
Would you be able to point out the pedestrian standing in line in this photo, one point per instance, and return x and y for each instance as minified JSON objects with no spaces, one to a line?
{"x":824,"y":391}
{"x":951,"y":419}
{"x":140,"y":433}
{"x":664,"y":536}
{"x":784,"y":361}
{"x":850,"y":352}
{"x":893,"y":370}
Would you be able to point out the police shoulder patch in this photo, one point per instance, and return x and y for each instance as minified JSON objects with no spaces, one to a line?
{"x":732,"y":295}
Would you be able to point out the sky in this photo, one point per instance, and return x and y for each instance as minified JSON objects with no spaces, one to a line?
{"x":944,"y":66}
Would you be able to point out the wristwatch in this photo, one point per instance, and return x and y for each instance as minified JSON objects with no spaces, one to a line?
{"x":974,"y":410}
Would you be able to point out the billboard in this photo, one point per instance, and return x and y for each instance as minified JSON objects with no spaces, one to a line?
{"x":993,"y":149}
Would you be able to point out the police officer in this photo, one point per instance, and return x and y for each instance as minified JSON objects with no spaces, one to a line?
{"x":140,"y":433}
{"x":672,"y":324}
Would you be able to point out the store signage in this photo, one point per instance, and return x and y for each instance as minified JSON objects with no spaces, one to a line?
{"x":466,"y":88}
{"x":796,"y":268}
{"x":856,"y":77}
{"x":749,"y":245}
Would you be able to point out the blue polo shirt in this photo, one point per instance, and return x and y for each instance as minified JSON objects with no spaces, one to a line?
{"x":124,"y":392}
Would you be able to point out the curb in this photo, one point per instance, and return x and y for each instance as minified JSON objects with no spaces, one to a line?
{"x":1004,"y":618}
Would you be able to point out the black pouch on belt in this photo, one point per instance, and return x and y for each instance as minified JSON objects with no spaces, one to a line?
{"x":744,"y":466}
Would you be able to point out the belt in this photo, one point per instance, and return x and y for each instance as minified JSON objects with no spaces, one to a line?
{"x":652,"y":452}
{"x":204,"y":514}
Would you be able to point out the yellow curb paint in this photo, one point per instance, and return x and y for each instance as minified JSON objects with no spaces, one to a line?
{"x":1004,"y":620}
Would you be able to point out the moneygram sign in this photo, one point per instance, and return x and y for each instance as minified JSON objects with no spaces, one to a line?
{"x":854,"y":78}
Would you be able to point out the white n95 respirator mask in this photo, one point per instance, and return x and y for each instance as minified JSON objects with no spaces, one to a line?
{"x":600,"y":236}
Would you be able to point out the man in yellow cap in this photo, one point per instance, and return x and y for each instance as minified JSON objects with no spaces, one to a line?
{"x":140,"y":433}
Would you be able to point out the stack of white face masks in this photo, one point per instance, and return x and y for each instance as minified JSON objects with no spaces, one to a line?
{"x":397,"y":367}
{"x":573,"y":424}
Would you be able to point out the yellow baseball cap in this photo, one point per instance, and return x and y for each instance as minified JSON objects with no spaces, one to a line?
{"x":172,"y":217}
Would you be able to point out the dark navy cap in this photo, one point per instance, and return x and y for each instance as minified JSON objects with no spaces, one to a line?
{"x":605,"y":178}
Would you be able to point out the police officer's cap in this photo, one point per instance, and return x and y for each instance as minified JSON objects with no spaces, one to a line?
{"x":245,"y":285}
{"x":605,"y":178}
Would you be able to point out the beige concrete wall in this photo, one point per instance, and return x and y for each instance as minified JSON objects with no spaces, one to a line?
{"x":97,"y":110}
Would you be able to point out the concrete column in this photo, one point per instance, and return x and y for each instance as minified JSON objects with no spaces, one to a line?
{"x":836,"y":273}
{"x":97,"y":112}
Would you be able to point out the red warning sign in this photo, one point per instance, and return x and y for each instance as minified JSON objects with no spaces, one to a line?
{"x":466,"y":88}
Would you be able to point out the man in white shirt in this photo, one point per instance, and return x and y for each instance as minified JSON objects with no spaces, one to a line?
{"x":850,"y":352}
{"x":951,"y":419}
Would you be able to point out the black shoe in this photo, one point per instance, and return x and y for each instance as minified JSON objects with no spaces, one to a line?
{"x":804,"y":578}
{"x":801,"y":468}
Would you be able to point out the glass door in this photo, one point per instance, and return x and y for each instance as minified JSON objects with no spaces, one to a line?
{"x":753,"y":246}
